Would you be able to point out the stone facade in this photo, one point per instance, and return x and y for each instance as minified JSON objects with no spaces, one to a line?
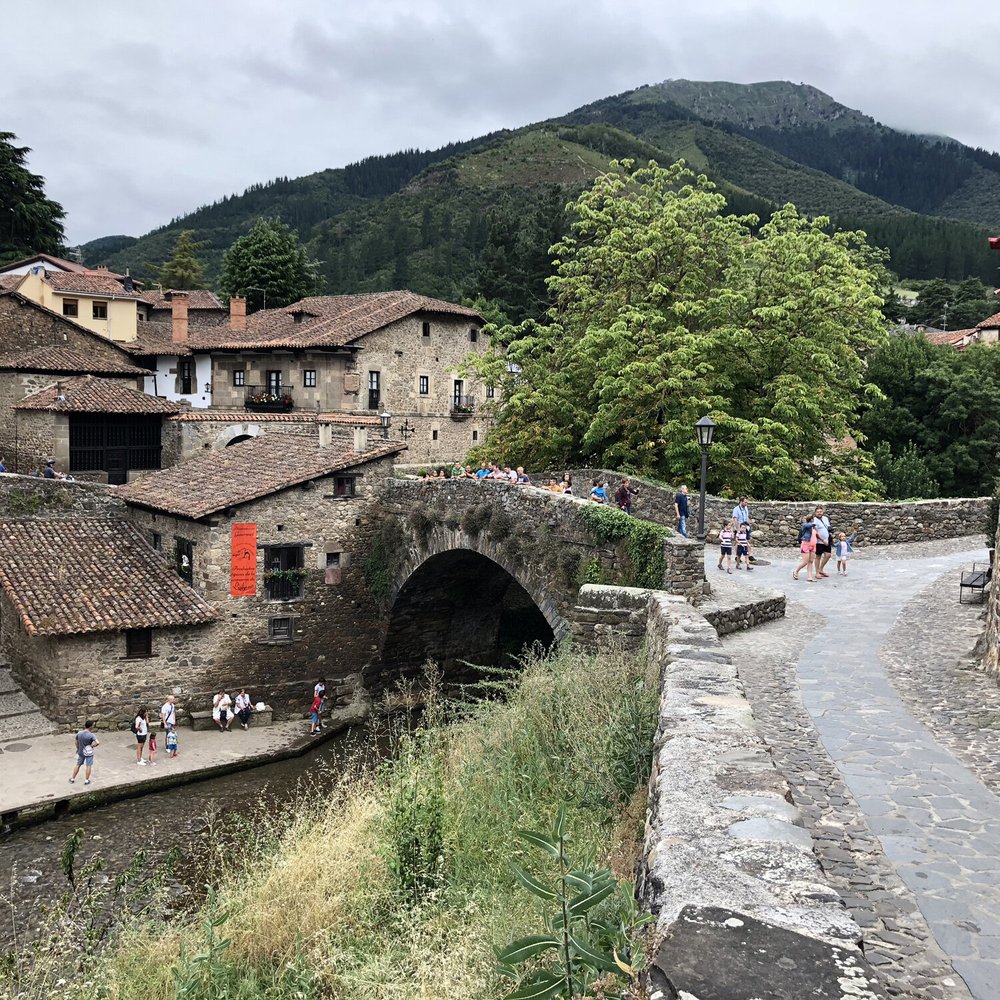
{"x":24,"y":326}
{"x":776,"y":522}
{"x":30,"y":496}
{"x":990,"y":643}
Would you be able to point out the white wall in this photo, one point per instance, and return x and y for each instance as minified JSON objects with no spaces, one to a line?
{"x":165,"y":381}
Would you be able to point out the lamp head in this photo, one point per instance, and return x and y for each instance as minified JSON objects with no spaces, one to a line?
{"x":705,"y":429}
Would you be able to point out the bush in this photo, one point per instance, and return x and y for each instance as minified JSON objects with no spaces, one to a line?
{"x":643,"y":542}
{"x":906,"y":476}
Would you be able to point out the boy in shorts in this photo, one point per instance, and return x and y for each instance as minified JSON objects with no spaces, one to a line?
{"x":743,"y":546}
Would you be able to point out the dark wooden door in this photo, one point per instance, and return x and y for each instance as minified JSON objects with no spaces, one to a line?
{"x":116,"y":465}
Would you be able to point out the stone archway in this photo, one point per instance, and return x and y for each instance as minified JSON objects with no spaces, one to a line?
{"x":238,"y":439}
{"x":234,"y":433}
{"x":460,"y":607}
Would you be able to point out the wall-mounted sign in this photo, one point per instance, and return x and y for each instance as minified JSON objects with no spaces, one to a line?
{"x":243,"y":568}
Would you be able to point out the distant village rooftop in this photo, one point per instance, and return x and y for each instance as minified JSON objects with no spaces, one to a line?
{"x":100,"y":283}
{"x":197,"y":298}
{"x":214,"y":480}
{"x":88,"y":394}
{"x":66,"y":576}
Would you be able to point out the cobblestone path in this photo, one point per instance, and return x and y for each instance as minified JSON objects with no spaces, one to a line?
{"x":900,"y":799}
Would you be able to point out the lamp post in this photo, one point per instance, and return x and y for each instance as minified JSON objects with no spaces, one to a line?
{"x":385,"y":419}
{"x":705,"y":428}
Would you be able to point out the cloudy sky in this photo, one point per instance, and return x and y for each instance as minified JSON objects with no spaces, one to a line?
{"x":136,"y":117}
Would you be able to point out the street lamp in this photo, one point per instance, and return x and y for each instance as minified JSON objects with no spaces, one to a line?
{"x":385,"y":419}
{"x":705,"y":428}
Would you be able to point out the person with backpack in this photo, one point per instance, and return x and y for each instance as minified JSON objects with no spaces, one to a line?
{"x":140,"y":727}
{"x":807,"y":547}
{"x":85,"y":743}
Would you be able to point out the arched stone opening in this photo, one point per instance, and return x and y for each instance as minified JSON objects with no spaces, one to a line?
{"x":234,"y":433}
{"x":239,"y":438}
{"x":459,"y":608}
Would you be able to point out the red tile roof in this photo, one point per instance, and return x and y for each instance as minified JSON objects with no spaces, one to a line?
{"x":67,"y":576}
{"x":330,"y":320}
{"x":155,"y":337}
{"x":294,"y":417}
{"x":66,"y":359}
{"x":947,"y":337}
{"x":990,"y":323}
{"x":44,"y":258}
{"x":101,"y":283}
{"x":87,"y":394}
{"x":215,"y":480}
{"x":198,"y":298}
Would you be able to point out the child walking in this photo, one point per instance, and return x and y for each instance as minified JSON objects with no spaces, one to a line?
{"x":171,"y":741}
{"x":742,"y":546}
{"x":807,"y":547}
{"x":844,"y":546}
{"x":726,"y":545}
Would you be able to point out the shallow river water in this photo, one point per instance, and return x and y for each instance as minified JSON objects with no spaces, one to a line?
{"x":181,"y":818}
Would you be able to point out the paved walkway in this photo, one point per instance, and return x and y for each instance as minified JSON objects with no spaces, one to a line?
{"x":937,"y":823}
{"x":34,"y":773}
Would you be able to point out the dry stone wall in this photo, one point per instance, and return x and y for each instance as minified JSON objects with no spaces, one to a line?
{"x":776,"y":521}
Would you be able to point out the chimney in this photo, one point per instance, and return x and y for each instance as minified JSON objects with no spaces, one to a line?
{"x":360,"y":439}
{"x":179,"y":315}
{"x":237,"y":313}
{"x":326,"y":435}
{"x":60,"y":391}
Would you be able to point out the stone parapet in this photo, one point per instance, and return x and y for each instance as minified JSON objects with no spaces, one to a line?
{"x":28,"y":496}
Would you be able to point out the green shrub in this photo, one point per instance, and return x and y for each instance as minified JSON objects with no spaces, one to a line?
{"x":476,"y":518}
{"x":643,"y":542}
{"x":384,"y":557}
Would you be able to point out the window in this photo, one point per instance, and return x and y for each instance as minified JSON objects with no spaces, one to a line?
{"x":274,"y":383}
{"x":425,"y":329}
{"x":239,"y":376}
{"x":100,"y":310}
{"x":138,"y":642}
{"x":473,"y":334}
{"x":489,"y":392}
{"x":284,"y":572}
{"x":157,"y":540}
{"x":343,"y":486}
{"x":280,"y":629}
{"x":184,"y":559}
{"x":458,"y":394}
{"x":185,"y":377}
{"x":475,"y":435}
{"x":333,"y":558}
{"x":71,"y":307}
{"x":425,"y":385}
{"x":434,"y":435}
{"x":309,"y":378}
{"x":374,"y":389}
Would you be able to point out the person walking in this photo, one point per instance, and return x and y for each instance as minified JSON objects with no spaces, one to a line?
{"x":681,"y":509}
{"x":140,"y":726}
{"x":743,"y":546}
{"x":726,"y":545}
{"x":844,"y":546}
{"x":741,"y":516}
{"x":624,"y":495}
{"x":807,"y":547}
{"x":314,"y":710}
{"x":824,"y":548}
{"x":86,"y":741}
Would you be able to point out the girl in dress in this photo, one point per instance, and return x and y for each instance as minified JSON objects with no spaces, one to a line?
{"x":843,"y":547}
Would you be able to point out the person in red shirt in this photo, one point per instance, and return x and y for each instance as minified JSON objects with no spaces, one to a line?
{"x":314,"y":709}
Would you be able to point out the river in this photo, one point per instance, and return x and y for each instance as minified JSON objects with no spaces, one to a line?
{"x":184,"y":818}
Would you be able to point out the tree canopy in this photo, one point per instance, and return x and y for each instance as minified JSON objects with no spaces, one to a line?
{"x":184,"y":270}
{"x":29,"y":222}
{"x":269,"y":263}
{"x":665,"y":309}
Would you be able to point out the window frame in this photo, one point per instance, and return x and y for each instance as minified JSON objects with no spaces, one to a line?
{"x":102,"y":306}
{"x":285,"y":635}
{"x":374,"y":388}
{"x":186,"y":376}
{"x":309,"y":379}
{"x":423,"y":385}
{"x":138,"y":643}
{"x":345,"y":487}
{"x":282,"y":558}
{"x":425,"y":328}
{"x":240,"y":378}
{"x":71,"y":308}
{"x":156,"y":540}
{"x":184,"y":547}
{"x":473,"y":334}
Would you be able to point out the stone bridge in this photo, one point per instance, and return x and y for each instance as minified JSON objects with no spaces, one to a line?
{"x":478,"y":570}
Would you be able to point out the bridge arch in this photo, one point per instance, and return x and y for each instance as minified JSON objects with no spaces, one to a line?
{"x":234,"y":434}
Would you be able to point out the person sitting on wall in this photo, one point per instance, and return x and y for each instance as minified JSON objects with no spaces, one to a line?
{"x":522,"y":477}
{"x":244,"y":706}
{"x":50,"y":470}
{"x":221,"y":711}
{"x":482,"y":472}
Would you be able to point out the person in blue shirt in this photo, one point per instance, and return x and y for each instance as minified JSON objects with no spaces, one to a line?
{"x":681,"y":510}
{"x":3,"y":467}
{"x":599,"y":493}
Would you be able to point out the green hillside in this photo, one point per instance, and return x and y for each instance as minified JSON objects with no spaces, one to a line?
{"x":421,"y":219}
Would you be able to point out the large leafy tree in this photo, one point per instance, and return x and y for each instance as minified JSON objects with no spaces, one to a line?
{"x":29,"y":222}
{"x":269,"y":263}
{"x":184,"y":269}
{"x":665,"y":309}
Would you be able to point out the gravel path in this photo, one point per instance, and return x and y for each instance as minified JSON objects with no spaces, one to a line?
{"x":908,"y":834}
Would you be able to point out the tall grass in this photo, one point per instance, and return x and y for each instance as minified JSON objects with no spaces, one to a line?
{"x":397,"y":882}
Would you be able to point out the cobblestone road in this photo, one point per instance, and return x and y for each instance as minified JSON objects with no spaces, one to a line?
{"x":899,"y":792}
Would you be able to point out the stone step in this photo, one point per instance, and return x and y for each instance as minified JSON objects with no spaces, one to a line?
{"x":16,"y":702}
{"x":7,"y":682}
{"x":21,"y":727}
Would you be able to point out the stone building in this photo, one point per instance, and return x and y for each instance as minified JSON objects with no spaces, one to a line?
{"x":92,"y":619}
{"x":271,"y":532}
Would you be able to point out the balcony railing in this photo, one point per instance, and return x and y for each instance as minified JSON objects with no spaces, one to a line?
{"x":283,"y":588}
{"x":374,"y":398}
{"x":462,"y":407}
{"x":264,"y":399}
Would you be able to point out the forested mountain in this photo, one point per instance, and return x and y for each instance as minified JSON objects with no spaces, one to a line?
{"x":445,"y":222}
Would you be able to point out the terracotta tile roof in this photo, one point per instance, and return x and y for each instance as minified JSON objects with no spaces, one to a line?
{"x":294,"y":417}
{"x":87,"y":394}
{"x":331,"y":320}
{"x":67,"y":576}
{"x":90,"y":283}
{"x":990,"y":323}
{"x":155,"y":337}
{"x":215,"y":480}
{"x":8,"y":282}
{"x":198,"y":298}
{"x":44,"y":258}
{"x":66,"y":359}
{"x":947,"y":337}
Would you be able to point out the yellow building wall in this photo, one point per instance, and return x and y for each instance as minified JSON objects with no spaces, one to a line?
{"x":121,"y":324}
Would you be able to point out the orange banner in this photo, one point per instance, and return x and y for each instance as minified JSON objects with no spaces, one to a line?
{"x":243,"y":569}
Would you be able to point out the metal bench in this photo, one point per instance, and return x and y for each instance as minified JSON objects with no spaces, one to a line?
{"x":974,"y":580}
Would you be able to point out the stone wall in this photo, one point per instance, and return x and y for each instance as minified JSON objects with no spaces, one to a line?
{"x":728,"y":870}
{"x":28,"y":496}
{"x":990,"y":643}
{"x":26,"y":326}
{"x":776,"y":522}
{"x":765,"y":606}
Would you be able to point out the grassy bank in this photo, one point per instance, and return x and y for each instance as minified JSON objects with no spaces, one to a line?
{"x":398,"y":882}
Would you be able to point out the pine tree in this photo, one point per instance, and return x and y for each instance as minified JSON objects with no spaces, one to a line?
{"x":184,"y":270}
{"x":29,"y":222}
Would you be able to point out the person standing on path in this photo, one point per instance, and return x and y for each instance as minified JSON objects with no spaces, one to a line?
{"x":85,"y":743}
{"x":314,"y":709}
{"x":741,"y":518}
{"x":807,"y":546}
{"x":140,"y":726}
{"x":624,"y":495}
{"x":168,"y":714}
{"x":681,"y":510}
{"x":743,"y":546}
{"x":151,"y":747}
{"x":844,"y":546}
{"x":823,"y":546}
{"x":726,"y":545}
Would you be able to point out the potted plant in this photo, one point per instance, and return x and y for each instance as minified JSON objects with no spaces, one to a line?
{"x":269,"y":401}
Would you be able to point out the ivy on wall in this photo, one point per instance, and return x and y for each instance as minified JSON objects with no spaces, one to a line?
{"x":643,"y":542}
{"x":384,"y":556}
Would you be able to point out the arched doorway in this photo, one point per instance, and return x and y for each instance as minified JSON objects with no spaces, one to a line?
{"x":239,"y":438}
{"x":459,"y":608}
